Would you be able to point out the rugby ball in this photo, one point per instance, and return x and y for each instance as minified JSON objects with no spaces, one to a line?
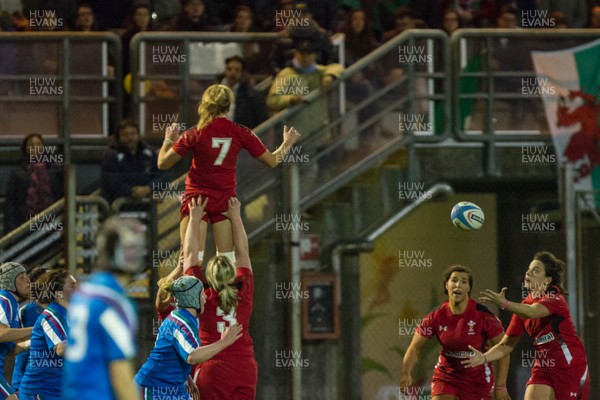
{"x":467,"y":216}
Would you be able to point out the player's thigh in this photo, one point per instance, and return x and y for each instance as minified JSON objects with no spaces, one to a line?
{"x":223,"y":236}
{"x":539,"y":392}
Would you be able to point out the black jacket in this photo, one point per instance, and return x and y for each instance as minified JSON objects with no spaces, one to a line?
{"x":121,"y":170}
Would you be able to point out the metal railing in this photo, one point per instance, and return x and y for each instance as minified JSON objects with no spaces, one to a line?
{"x":59,"y":77}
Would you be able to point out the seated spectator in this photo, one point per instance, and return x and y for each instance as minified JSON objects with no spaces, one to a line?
{"x":256,"y":54}
{"x":166,"y":11}
{"x":302,"y":76}
{"x":450,"y":21}
{"x":193,"y":17}
{"x":129,"y":167}
{"x":298,"y":28}
{"x":404,"y":19}
{"x":360,"y":38}
{"x":34,"y":185}
{"x":473,"y":13}
{"x":575,"y":10}
{"x":111,"y":14}
{"x":140,"y":21}
{"x":86,"y":20}
{"x":594,"y":18}
{"x":249,"y":108}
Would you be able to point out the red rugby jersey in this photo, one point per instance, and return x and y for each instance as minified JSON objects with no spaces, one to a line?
{"x":455,"y":333}
{"x":554,"y":337}
{"x":215,"y":151}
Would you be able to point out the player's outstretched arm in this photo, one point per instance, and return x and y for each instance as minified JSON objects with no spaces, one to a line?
{"x":240,"y":238}
{"x":203,"y":353}
{"x":290,"y":137}
{"x":500,"y":392}
{"x":167,"y":157}
{"x":13,"y":334}
{"x":505,"y":347}
{"x":411,"y":357}
{"x":191,"y":242}
{"x":121,"y":378}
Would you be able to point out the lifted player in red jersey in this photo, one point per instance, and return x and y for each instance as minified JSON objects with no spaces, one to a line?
{"x":560,"y":370}
{"x":458,"y":324}
{"x":215,"y":144}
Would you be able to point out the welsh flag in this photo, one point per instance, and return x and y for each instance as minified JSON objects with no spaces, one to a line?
{"x":570,"y":80}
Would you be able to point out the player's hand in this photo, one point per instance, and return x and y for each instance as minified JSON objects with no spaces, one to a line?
{"x":172,"y":132}
{"x":197,"y":207}
{"x":290,"y":136}
{"x":489,"y":296}
{"x":501,"y":394}
{"x":231,"y":334}
{"x":475,"y":360}
{"x":405,"y":381}
{"x":192,"y":389}
{"x":233,"y":209}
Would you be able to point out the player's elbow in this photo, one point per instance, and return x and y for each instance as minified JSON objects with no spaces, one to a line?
{"x":162,"y":164}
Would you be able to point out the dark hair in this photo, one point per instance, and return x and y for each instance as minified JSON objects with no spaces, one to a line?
{"x":508,"y":9}
{"x":26,"y":139}
{"x":457,"y":268}
{"x":238,"y":59}
{"x":52,"y":282}
{"x":94,"y":26}
{"x":239,"y":9}
{"x":403,"y":12}
{"x":554,"y":268}
{"x":35,"y":275}
{"x":124,"y":124}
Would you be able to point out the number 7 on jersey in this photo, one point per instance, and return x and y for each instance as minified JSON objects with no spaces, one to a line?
{"x":223,"y":144}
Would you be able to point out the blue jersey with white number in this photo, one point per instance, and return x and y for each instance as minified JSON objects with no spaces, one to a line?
{"x":43,"y":375}
{"x":102,"y":324}
{"x":9,"y":316}
{"x":28,"y":314}
{"x":167,"y":366}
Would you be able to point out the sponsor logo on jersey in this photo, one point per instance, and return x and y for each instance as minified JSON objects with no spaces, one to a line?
{"x":459,"y":354}
{"x":544,"y":339}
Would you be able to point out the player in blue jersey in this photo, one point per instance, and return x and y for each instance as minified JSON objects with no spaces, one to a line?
{"x":103,"y":321}
{"x":14,"y":286}
{"x":43,"y":376}
{"x":163,"y":376}
{"x":28,"y":314}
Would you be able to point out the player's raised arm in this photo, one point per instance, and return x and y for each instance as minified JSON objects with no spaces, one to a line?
{"x":191,"y":243}
{"x":167,"y":157}
{"x":290,"y":137}
{"x":240,"y":238}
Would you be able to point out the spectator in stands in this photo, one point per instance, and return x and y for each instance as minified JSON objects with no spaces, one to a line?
{"x":360,"y":41}
{"x":256,"y":54}
{"x":521,"y":6}
{"x":299,"y":27}
{"x":193,"y":17}
{"x":473,"y":13}
{"x":249,"y":108}
{"x":35,"y":184}
{"x":86,"y":20}
{"x":129,"y":167}
{"x":360,"y":38}
{"x":404,"y":20}
{"x":450,"y":21}
{"x":139,"y":21}
{"x":575,"y":10}
{"x":594,"y":18}
{"x":302,"y":76}
{"x":166,"y":11}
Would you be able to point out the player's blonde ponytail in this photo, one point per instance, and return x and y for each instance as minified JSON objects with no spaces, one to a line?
{"x":165,"y":284}
{"x":220,"y":274}
{"x":216,"y":100}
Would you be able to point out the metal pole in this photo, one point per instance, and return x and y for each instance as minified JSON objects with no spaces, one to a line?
{"x":295,"y":280}
{"x":571,"y":243}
